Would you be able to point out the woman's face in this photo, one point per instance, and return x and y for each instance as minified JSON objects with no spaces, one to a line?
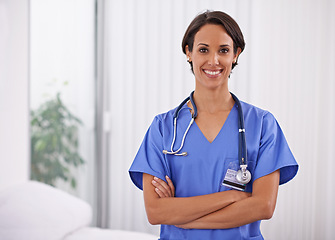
{"x":212,"y":56}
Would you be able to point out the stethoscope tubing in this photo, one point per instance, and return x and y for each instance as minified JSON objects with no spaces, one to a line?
{"x":242,"y":149}
{"x":242,"y":145}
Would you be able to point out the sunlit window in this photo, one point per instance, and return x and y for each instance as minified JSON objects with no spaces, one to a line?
{"x":62,"y":100}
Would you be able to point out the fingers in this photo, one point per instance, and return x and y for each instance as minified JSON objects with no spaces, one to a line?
{"x":170,"y":184}
{"x":160,"y":193}
{"x":162,"y":188}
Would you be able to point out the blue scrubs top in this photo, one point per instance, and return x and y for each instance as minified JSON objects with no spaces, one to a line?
{"x":203,"y":170}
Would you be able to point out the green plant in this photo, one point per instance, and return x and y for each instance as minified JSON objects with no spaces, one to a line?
{"x":54,"y":143}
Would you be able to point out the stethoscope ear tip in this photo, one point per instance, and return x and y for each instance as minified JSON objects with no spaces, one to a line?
{"x":175,"y":153}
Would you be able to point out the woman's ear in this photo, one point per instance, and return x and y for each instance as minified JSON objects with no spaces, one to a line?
{"x":239,"y":50}
{"x":188,"y":54}
{"x":186,"y":50}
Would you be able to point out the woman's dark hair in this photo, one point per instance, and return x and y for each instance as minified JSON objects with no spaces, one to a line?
{"x":214,"y":17}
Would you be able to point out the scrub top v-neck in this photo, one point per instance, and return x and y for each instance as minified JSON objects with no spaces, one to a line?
{"x":221,"y":129}
{"x":203,"y":170}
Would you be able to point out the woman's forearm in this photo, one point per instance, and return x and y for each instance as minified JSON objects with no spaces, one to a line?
{"x":259,"y":206}
{"x":235,"y":215}
{"x":174,"y":210}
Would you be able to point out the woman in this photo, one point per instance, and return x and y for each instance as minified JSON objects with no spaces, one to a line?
{"x":195,"y":195}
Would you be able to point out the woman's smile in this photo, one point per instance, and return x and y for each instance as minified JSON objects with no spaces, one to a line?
{"x":212,"y":73}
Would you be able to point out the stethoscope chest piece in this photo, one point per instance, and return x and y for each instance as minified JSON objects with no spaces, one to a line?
{"x":243,"y":175}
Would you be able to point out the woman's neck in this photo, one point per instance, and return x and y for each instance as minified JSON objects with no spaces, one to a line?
{"x":212,"y":101}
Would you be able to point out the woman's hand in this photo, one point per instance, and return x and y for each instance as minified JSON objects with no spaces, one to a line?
{"x":162,"y":189}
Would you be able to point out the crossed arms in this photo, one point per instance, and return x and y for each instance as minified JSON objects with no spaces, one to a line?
{"x":219,"y":210}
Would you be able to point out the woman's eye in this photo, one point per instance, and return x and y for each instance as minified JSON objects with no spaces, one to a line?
{"x":203,"y":50}
{"x":224,"y":50}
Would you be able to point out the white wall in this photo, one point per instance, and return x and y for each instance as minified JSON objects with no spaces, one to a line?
{"x":14,"y":100}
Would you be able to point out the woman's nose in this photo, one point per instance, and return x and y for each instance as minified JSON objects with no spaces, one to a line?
{"x":213,"y":59}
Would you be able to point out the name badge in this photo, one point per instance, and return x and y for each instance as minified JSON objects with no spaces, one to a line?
{"x":231,"y":182}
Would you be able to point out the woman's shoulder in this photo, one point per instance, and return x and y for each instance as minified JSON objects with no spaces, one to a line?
{"x":250,"y":109}
{"x":258,"y":116}
{"x":162,"y":117}
{"x":169,"y":115}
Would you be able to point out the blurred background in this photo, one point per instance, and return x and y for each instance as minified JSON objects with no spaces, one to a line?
{"x":81,"y":80}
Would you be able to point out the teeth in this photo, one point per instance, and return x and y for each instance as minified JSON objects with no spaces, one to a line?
{"x":211,"y":72}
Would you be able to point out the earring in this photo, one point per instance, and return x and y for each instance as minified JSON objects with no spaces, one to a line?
{"x":188,"y":59}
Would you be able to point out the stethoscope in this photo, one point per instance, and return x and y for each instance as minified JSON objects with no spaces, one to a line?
{"x":243,"y":175}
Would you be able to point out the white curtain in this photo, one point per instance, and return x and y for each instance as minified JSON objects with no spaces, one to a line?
{"x":288,"y":68}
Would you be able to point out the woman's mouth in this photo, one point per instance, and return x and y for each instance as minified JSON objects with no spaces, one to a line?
{"x":212,"y":73}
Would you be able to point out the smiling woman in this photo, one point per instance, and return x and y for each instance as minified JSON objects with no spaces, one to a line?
{"x":194,"y":194}
{"x":277,"y":70}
